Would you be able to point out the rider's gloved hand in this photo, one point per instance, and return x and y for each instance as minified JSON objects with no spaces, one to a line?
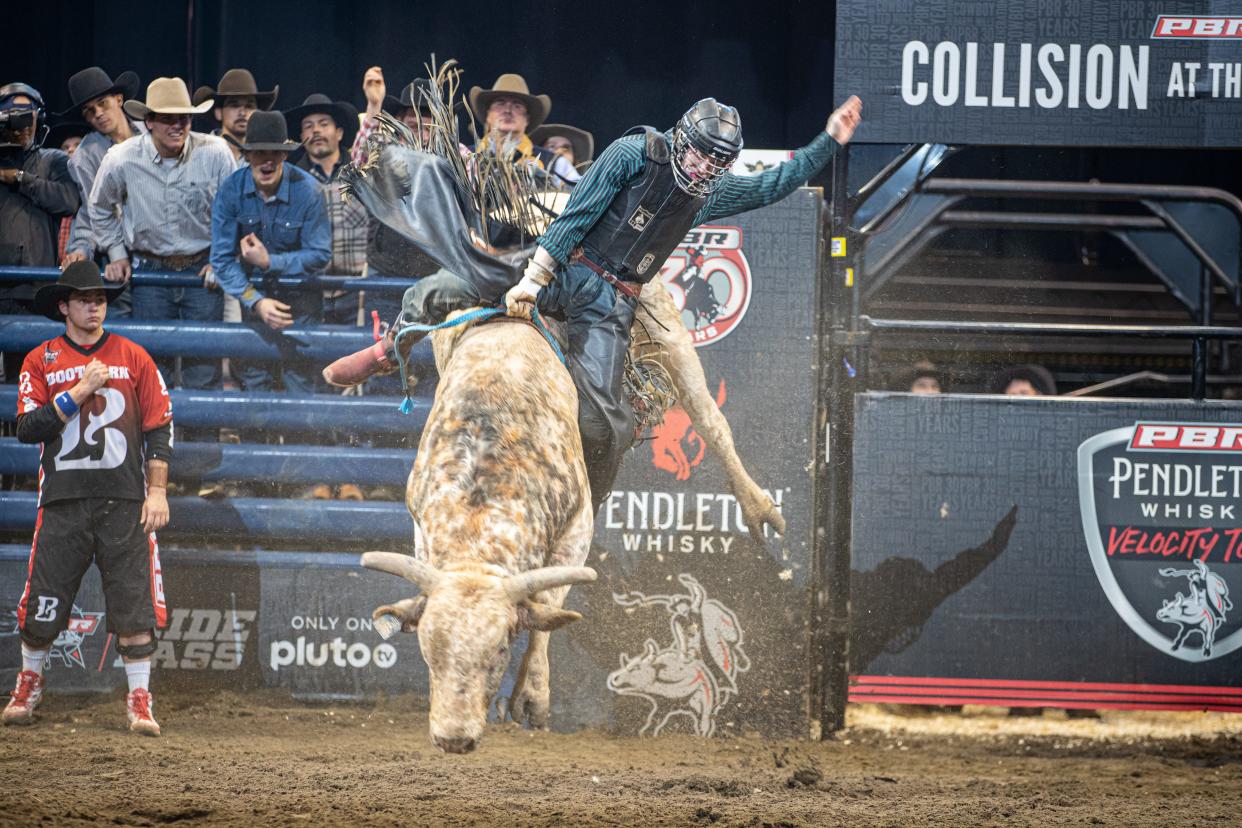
{"x":539,"y":273}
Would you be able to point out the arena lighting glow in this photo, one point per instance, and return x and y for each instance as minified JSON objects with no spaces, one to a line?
{"x":1071,"y":77}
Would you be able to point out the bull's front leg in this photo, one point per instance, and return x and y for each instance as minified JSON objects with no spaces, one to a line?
{"x":659,"y":334}
{"x":531,"y":697}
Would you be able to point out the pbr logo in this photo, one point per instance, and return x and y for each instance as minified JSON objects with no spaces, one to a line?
{"x":67,"y":648}
{"x":1197,"y":27}
{"x":709,"y":278}
{"x":1160,"y":507}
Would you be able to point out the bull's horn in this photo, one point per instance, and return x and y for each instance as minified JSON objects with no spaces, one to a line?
{"x":412,"y":569}
{"x":524,"y":585}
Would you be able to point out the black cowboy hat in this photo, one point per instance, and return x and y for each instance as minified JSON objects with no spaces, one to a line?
{"x":239,"y":83}
{"x":57,"y":134}
{"x":414,"y":96}
{"x":77,"y":276}
{"x":345,"y":115}
{"x":1038,"y":376}
{"x":93,"y":82}
{"x":265,"y":131}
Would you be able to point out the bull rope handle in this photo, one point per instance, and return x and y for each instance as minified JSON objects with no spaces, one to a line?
{"x":407,"y":404}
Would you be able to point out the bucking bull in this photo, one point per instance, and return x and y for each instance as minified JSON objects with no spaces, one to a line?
{"x":502,"y":510}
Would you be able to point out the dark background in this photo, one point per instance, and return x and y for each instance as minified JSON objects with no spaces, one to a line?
{"x":606,"y":67}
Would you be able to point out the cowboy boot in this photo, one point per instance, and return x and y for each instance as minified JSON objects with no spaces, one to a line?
{"x":378,"y":359}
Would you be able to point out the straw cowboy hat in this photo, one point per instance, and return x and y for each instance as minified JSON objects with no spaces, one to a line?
{"x":166,"y":96}
{"x":93,"y":82}
{"x":237,"y":83}
{"x":77,"y":276}
{"x":511,"y":86}
{"x":583,"y":142}
{"x":265,"y":131}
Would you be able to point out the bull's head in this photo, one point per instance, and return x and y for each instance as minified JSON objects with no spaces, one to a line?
{"x":466,"y":621}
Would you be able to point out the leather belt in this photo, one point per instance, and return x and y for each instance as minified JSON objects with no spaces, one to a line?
{"x":630,"y":289}
{"x":182,"y":261}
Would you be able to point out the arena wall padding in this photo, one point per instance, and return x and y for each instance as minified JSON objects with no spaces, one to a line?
{"x":1002,"y":556}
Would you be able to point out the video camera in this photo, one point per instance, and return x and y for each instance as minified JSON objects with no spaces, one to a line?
{"x":15,"y":120}
{"x":16,"y":117}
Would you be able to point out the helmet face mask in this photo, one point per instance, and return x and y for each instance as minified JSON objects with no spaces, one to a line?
{"x":706,"y":142}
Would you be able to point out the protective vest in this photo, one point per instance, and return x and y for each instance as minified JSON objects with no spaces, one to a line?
{"x":645,"y":221}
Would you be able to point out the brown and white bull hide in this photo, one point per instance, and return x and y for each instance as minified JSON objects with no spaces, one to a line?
{"x":502,"y":509}
{"x":658,"y":333}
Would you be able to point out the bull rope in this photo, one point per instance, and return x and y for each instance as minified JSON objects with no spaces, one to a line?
{"x":476,"y":315}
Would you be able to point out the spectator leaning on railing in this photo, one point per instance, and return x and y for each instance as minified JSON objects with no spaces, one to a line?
{"x":99,"y":100}
{"x":151,"y":210}
{"x":35,"y":192}
{"x":268,"y":221}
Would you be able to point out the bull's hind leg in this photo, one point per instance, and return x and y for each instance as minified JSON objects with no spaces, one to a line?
{"x":659,"y":334}
{"x":531,"y":697}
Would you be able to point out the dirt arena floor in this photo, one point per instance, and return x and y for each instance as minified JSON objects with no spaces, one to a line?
{"x":228,"y":760}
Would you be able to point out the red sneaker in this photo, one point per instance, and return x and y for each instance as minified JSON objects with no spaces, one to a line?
{"x":356,"y":368}
{"x":138,"y":711}
{"x":25,"y":698}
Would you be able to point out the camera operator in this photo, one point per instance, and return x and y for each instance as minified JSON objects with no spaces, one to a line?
{"x":36,"y":190}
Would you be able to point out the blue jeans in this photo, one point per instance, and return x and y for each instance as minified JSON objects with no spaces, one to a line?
{"x":294,"y":373}
{"x":185,"y":304}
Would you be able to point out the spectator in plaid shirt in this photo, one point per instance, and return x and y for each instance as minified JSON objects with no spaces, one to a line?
{"x":323,"y":126}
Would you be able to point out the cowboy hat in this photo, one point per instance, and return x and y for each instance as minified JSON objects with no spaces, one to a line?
{"x":237,"y":83}
{"x":93,"y":82}
{"x":511,"y":86}
{"x":65,"y":129}
{"x":583,"y":142}
{"x":77,"y":276}
{"x":414,"y":96}
{"x":265,"y":131}
{"x":166,"y":96}
{"x":203,"y":93}
{"x":345,"y":115}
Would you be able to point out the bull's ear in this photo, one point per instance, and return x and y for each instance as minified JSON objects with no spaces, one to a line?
{"x":533,"y":615}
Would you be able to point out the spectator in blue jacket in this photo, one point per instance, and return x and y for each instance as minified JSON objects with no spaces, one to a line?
{"x":268,"y":221}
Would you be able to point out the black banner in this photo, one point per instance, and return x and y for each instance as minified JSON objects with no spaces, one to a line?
{"x":1075,"y":552}
{"x":1047,"y":73}
{"x":695,"y":626}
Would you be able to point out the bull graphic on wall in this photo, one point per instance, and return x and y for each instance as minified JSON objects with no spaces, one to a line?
{"x":1203,"y":611}
{"x":695,"y":675}
{"x":676,"y":446}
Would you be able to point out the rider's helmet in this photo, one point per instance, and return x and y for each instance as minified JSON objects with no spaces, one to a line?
{"x":714,"y":132}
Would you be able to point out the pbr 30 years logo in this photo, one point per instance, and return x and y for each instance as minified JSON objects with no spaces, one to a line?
{"x":1160,"y":508}
{"x":709,"y":278}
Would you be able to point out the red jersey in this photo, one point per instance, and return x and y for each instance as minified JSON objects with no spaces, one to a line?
{"x":100,"y":451}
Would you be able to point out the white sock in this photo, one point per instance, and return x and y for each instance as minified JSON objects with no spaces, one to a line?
{"x":139,"y":674}
{"x":32,"y":660}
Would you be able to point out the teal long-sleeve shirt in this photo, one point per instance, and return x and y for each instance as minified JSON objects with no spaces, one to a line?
{"x":624,"y":160}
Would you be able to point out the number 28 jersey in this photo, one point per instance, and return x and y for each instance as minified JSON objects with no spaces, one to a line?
{"x":99,"y":453}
